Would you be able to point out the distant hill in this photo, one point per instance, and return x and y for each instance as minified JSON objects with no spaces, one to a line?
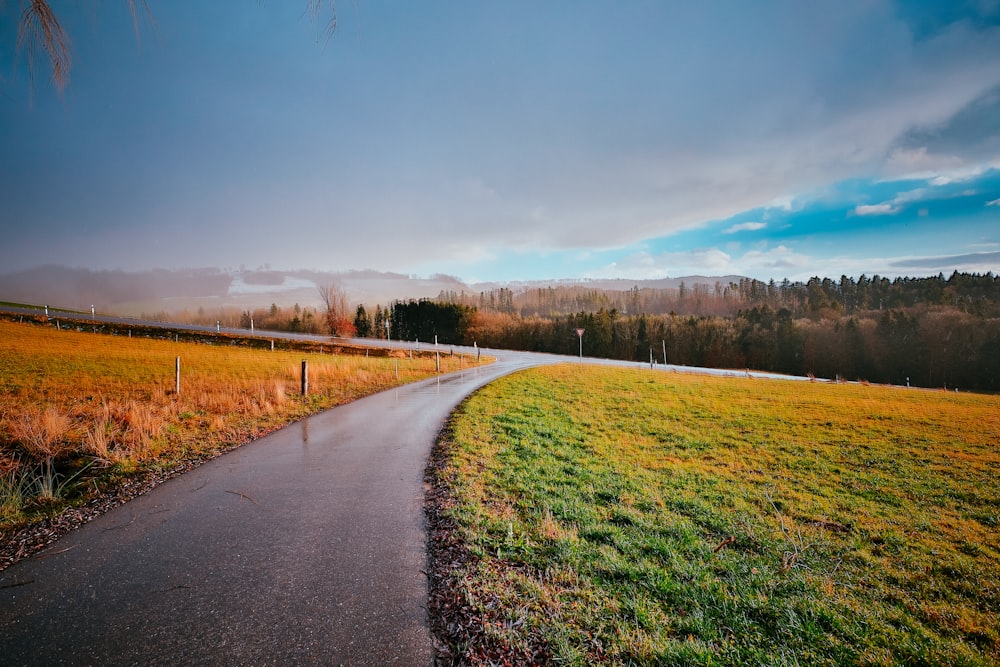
{"x":131,"y":293}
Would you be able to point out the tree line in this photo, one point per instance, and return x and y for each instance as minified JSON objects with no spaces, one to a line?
{"x":816,"y":298}
{"x":930,"y":332}
{"x":929,"y":347}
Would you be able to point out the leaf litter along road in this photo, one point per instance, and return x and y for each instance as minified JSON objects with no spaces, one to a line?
{"x":307,"y":545}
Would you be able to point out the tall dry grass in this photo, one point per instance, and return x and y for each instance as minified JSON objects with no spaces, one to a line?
{"x":43,"y":433}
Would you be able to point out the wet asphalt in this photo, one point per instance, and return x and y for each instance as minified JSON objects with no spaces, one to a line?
{"x":304,"y":547}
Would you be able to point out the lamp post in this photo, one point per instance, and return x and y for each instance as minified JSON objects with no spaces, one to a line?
{"x":579,"y":333}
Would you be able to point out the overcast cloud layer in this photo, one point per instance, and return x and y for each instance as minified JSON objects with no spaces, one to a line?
{"x":510,"y":140}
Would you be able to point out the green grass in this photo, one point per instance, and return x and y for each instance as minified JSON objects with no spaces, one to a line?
{"x":638,"y":518}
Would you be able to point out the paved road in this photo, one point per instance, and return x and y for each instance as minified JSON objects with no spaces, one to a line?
{"x":304,"y":547}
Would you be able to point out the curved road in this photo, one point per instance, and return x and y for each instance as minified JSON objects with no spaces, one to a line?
{"x":304,"y":547}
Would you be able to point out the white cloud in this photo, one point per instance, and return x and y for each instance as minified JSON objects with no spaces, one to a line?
{"x":745,"y":227}
{"x":874,"y":209}
{"x":784,"y":202}
{"x":893,"y":206}
{"x":957,"y":172}
{"x":910,"y":196}
{"x":919,"y":194}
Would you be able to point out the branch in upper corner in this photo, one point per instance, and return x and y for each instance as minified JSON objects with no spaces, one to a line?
{"x":40,"y":26}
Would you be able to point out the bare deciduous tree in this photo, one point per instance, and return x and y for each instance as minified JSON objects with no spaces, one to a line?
{"x":336,"y":310}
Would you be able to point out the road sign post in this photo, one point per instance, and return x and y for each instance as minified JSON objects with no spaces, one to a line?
{"x":579,"y":333}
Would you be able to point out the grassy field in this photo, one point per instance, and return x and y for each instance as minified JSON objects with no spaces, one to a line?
{"x":80,"y":412}
{"x":590,"y":515}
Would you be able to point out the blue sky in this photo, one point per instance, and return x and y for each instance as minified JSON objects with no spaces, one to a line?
{"x":510,"y":140}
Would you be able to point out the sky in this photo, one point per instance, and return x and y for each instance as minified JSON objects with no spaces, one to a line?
{"x":509,"y":141}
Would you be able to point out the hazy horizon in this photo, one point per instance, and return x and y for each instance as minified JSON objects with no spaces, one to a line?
{"x":514,"y":142}
{"x":227,"y":288}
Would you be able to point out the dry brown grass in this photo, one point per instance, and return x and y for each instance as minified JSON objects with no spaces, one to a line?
{"x":42,"y":433}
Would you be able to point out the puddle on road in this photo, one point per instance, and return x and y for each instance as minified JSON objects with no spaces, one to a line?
{"x":409,"y":393}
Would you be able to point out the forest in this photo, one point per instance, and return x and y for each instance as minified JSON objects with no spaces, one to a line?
{"x":929,"y":332}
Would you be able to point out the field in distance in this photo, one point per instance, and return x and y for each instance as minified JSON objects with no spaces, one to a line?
{"x":584,"y":515}
{"x":83,"y":414}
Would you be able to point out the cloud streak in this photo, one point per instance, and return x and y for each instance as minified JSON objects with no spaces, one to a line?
{"x":745,"y":227}
{"x":874,"y":209}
